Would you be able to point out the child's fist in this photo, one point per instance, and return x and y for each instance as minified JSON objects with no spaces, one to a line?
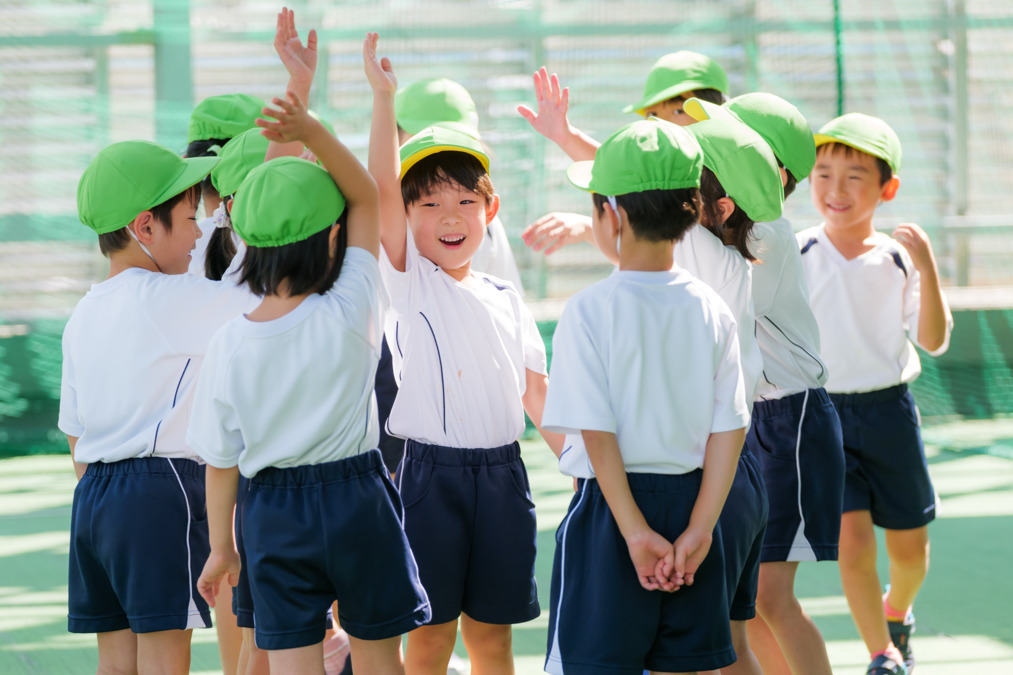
{"x":914,"y":239}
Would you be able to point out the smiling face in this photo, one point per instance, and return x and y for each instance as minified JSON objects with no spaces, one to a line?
{"x":171,"y":246}
{"x":846,"y":186}
{"x":448,"y":222}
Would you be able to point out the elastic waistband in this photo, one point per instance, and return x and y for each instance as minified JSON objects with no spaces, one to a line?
{"x":791,"y":404}
{"x":444,"y":456}
{"x":870,"y":397}
{"x":327,"y":472}
{"x":653,"y":482}
{"x":175,"y":466}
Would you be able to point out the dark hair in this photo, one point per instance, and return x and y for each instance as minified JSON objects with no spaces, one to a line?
{"x":736,"y":229}
{"x":117,"y":240}
{"x":307,"y":265}
{"x":710,"y":95}
{"x":220,"y":251}
{"x":445,"y":168}
{"x":657,"y":215}
{"x":202,"y":148}
{"x":791,"y":182}
{"x":885,"y":172}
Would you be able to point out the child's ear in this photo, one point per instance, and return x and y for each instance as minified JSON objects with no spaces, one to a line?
{"x":726,"y":207}
{"x":228,"y":206}
{"x":890,"y":188}
{"x":143,"y":226}
{"x":491,"y":208}
{"x":784,"y":176}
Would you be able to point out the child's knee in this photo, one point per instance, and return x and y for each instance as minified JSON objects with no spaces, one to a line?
{"x":486,"y":638}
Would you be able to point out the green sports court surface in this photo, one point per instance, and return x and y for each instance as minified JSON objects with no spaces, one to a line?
{"x":963,"y":625}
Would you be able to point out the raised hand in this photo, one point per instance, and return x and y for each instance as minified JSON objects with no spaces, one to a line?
{"x":379,"y":72}
{"x":292,"y":121}
{"x":917,"y":243}
{"x":555,"y":230}
{"x":553,"y":101}
{"x":300,"y":60}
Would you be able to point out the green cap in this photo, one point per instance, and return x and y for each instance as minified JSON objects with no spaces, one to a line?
{"x":646,"y":155}
{"x":777,"y":121}
{"x":127,"y":178}
{"x":744,"y":164}
{"x":239,"y":156}
{"x":677,"y":73}
{"x":434,"y":101}
{"x":869,"y":134}
{"x":223,"y":116}
{"x":284,"y":201}
{"x":440,"y":139}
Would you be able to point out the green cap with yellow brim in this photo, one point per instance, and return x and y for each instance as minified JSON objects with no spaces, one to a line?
{"x":677,"y":73}
{"x":434,"y":101}
{"x":869,"y":134}
{"x":645,"y":155}
{"x":776,"y":121}
{"x":440,"y":138}
{"x":745,"y":166}
{"x":241,"y":155}
{"x":284,"y":201}
{"x":127,"y":178}
{"x":224,"y":116}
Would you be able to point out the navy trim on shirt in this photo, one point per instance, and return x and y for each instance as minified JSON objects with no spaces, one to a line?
{"x":808,"y":245}
{"x":443,"y":386}
{"x":899,"y":261}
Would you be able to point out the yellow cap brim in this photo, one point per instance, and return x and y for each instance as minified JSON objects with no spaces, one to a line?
{"x":414,"y":159}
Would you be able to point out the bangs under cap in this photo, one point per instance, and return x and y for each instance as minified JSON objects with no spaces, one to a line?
{"x":744,"y":164}
{"x":283,"y":201}
{"x":129,"y":177}
{"x":239,"y":156}
{"x":645,"y":155}
{"x":433,"y":101}
{"x":869,"y":134}
{"x":440,"y":139}
{"x":776,"y":120}
{"x":224,"y":116}
{"x":677,"y":73}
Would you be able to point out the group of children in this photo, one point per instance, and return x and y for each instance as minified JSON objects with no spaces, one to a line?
{"x":689,"y":396}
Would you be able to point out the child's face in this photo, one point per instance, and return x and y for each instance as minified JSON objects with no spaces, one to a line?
{"x":171,"y":248}
{"x":671,"y":110}
{"x":448,"y":223}
{"x":845,"y":188}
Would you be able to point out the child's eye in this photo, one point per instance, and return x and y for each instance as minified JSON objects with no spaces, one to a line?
{"x":467,"y":201}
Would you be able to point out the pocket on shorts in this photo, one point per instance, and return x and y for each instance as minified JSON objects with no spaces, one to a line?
{"x":196,"y":499}
{"x":414,"y":480}
{"x":519,"y":478}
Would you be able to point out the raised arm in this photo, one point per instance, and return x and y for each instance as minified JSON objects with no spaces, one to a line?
{"x":550,"y":120}
{"x":301,"y":63}
{"x":384,"y":156}
{"x":294,"y":123}
{"x":933,"y":321}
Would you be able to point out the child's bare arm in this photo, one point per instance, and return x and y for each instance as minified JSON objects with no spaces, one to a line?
{"x":294,"y":123}
{"x":550,"y":120}
{"x":79,"y":468}
{"x":534,"y":404}
{"x":932,"y":316}
{"x":719,"y":464}
{"x":384,"y":156}
{"x":555,"y":230}
{"x":222,"y":486}
{"x":652,"y":555}
{"x":301,"y":63}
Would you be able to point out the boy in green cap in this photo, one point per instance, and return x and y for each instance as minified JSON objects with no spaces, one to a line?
{"x":470,"y":363}
{"x":132,"y":350}
{"x":646,"y":370}
{"x":795,"y":434}
{"x":873,"y":296}
{"x":674,"y":79}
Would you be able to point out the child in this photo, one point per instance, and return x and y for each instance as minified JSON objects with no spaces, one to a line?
{"x":674,"y":79}
{"x":795,"y":435}
{"x":131,"y":353}
{"x":873,"y":296}
{"x":645,"y":368}
{"x":321,"y":518}
{"x":470,"y":362}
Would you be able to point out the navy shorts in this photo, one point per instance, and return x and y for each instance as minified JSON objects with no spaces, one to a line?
{"x":325,"y":531}
{"x":242,"y":601}
{"x":385,"y":386}
{"x":601,"y":619}
{"x":796,"y":440}
{"x":471,"y":523}
{"x":743,"y":521}
{"x":887,"y":473}
{"x":138,"y":543}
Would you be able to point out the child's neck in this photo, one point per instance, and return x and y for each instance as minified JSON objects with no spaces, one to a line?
{"x":129,"y":258}
{"x":276,"y":306}
{"x":459,"y":274}
{"x":852,"y":241}
{"x":645,"y":256}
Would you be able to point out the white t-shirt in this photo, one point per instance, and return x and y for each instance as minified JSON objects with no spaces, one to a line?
{"x":495,"y":257}
{"x":786,"y":328}
{"x":297,"y":390}
{"x":866,"y":308}
{"x":132,"y":350}
{"x":460,"y":352}
{"x":652,"y":357}
{"x":722,"y":268}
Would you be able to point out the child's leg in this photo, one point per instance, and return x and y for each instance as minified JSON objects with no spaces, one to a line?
{"x":861,"y":581}
{"x":252,"y":659}
{"x":117,"y":652}
{"x":489,"y":645}
{"x":765,"y":647}
{"x":377,"y":657}
{"x":908,"y":551}
{"x":429,"y":648}
{"x":800,"y":641}
{"x":308,"y":660}
{"x":164,"y":651}
{"x":746,"y":663}
{"x":230,"y":637}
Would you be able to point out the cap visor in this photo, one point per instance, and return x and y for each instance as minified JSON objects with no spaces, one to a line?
{"x":194,"y":172}
{"x":705,"y":110}
{"x":665,"y":94}
{"x":432,"y":150}
{"x":579,"y":173}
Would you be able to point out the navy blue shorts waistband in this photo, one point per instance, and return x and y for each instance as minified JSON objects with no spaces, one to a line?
{"x":326,"y":472}
{"x":442,"y":455}
{"x":641,"y":483}
{"x":790,"y":404}
{"x":870,"y":397}
{"x":177,"y":466}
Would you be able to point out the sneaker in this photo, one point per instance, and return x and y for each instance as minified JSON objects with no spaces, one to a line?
{"x":900,"y":634}
{"x":884,"y":665}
